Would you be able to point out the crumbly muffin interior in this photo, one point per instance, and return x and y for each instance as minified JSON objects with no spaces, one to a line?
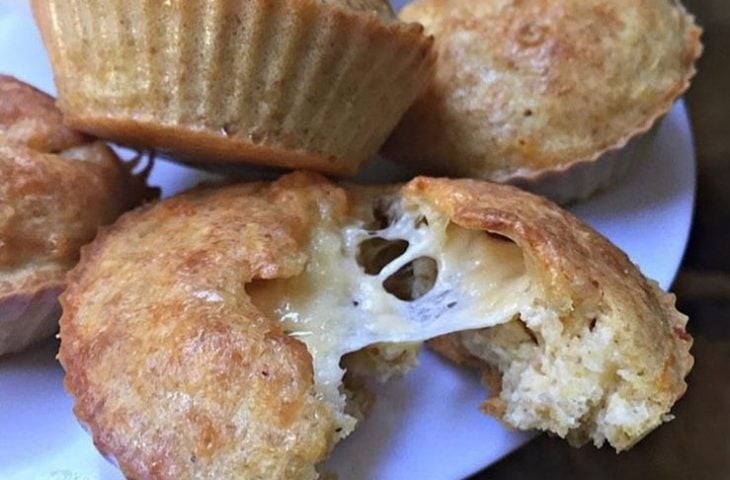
{"x":398,"y":272}
{"x":253,"y":294}
{"x":569,"y":384}
{"x":388,"y":278}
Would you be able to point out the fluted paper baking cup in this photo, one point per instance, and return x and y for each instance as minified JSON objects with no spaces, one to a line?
{"x":286,"y":83}
{"x":579,"y":180}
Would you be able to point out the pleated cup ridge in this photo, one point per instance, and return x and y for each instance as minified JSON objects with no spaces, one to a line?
{"x":286,"y":83}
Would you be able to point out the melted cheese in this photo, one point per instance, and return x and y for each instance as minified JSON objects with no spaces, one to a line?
{"x":335,"y":308}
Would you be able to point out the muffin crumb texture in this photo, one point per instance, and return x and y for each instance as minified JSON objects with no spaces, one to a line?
{"x":257,"y":296}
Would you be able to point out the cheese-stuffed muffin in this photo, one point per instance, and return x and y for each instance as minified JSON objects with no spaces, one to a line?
{"x":56,"y":188}
{"x":545,"y":94}
{"x":311,"y":84}
{"x":207,"y":335}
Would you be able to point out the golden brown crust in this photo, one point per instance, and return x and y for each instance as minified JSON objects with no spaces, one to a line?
{"x":29,"y":117}
{"x":585,"y":280}
{"x":287,"y":83}
{"x":577,"y":268}
{"x":207,"y":384}
{"x":523,"y":87}
{"x":56,"y":188}
{"x":177,"y":373}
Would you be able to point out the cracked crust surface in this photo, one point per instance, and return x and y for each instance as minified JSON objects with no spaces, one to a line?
{"x":56,"y":187}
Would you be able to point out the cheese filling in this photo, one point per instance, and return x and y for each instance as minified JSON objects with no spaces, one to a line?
{"x":444,"y":278}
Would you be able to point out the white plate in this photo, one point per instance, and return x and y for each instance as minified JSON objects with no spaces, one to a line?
{"x":425,"y":427}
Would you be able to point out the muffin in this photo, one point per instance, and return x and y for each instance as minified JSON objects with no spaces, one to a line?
{"x":56,"y":188}
{"x":315,"y":84}
{"x":233,"y":308}
{"x":550,"y":95}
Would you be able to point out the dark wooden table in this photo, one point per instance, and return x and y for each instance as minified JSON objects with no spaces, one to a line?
{"x":696,"y":445}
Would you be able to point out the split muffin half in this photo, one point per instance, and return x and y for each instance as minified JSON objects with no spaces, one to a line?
{"x":208,"y":334}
